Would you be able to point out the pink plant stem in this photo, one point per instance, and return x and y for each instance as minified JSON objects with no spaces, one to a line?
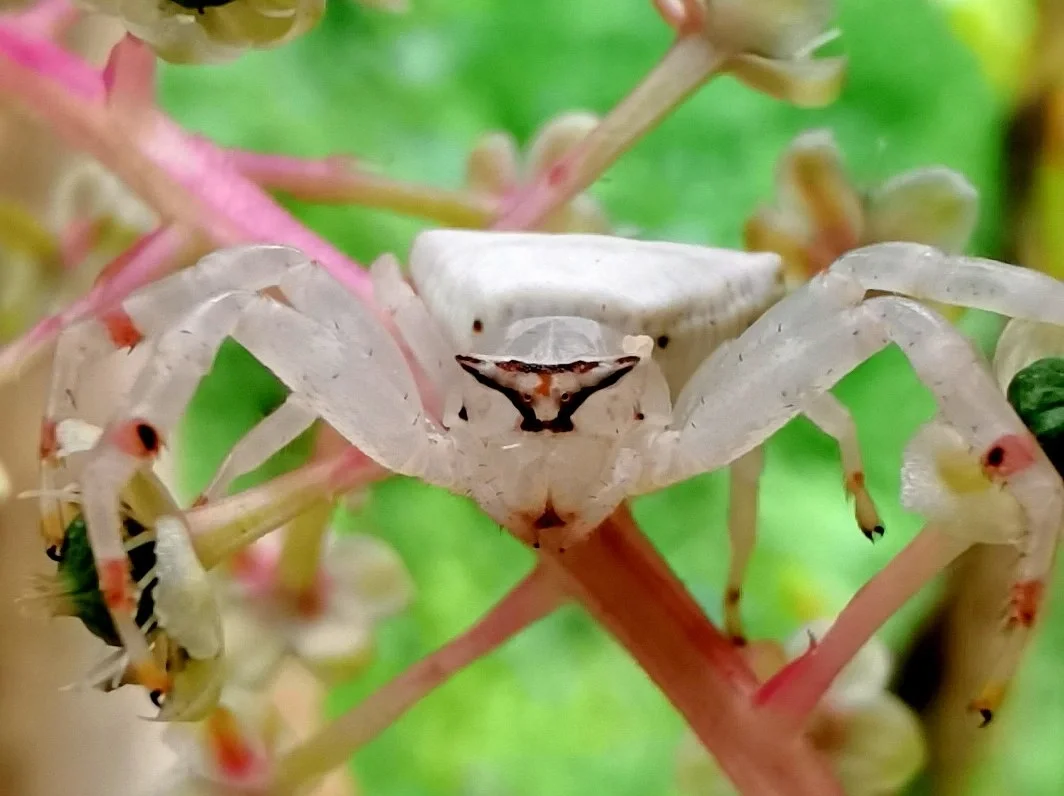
{"x":690,"y":62}
{"x":46,"y":18}
{"x":795,"y":690}
{"x":533,"y":598}
{"x":185,"y":179}
{"x":153,"y":255}
{"x":227,"y":526}
{"x":340,"y":180}
{"x":622,"y":581}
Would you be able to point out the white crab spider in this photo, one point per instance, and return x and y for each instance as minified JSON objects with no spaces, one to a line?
{"x":550,"y":422}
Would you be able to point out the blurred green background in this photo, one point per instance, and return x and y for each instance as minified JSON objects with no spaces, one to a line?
{"x":561,"y":710}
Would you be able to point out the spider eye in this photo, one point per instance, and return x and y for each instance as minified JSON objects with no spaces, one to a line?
{"x":566,"y":396}
{"x":526,"y":397}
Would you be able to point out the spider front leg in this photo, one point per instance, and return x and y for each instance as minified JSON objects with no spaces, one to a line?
{"x":923,"y":272}
{"x":347,"y":368}
{"x":141,"y":316}
{"x":761,"y":383}
{"x":275,"y":431}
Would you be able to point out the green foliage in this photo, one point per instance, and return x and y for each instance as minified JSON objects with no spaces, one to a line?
{"x":561,"y":710}
{"x":1037,"y":395}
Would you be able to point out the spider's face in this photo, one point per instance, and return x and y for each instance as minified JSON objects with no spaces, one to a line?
{"x":547,"y":396}
{"x":554,"y":375}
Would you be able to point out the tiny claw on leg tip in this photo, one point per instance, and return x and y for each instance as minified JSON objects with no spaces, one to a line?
{"x":874,"y":533}
{"x":988,"y":702}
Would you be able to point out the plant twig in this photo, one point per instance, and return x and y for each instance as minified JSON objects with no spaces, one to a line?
{"x":340,"y":180}
{"x":530,"y":600}
{"x":622,"y":581}
{"x":687,"y":65}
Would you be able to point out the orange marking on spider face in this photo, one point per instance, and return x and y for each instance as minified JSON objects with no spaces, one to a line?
{"x":1010,"y":454}
{"x":121,"y":329}
{"x":1024,"y":601}
{"x":49,"y":445}
{"x":115,"y":585}
{"x":543,"y":385}
{"x":230,"y":749}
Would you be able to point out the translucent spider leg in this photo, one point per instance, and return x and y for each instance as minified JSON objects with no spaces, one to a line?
{"x":85,"y":345}
{"x":762,"y":383}
{"x":347,"y":368}
{"x":830,"y":416}
{"x":742,"y":532}
{"x":270,"y":435}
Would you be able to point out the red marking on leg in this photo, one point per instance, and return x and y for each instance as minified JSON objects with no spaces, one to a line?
{"x":543,"y":386}
{"x":121,"y":329}
{"x":115,"y":586}
{"x":556,"y":174}
{"x":855,"y":481}
{"x":136,"y":437}
{"x":1010,"y":454}
{"x":1024,"y":601}
{"x":49,"y":445}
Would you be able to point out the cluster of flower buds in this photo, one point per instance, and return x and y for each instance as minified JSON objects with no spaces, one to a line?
{"x":820,"y":214}
{"x":496,"y":169}
{"x":210,"y":31}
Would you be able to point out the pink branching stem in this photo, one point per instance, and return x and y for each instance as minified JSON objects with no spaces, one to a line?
{"x":794,"y":691}
{"x":622,"y":581}
{"x":690,"y":62}
{"x":157,"y":253}
{"x":532,"y":599}
{"x":185,"y":179}
{"x":227,"y":526}
{"x":339,"y":179}
{"x":46,"y":18}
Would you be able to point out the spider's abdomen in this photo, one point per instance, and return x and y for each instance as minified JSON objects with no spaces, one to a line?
{"x":687,"y":298}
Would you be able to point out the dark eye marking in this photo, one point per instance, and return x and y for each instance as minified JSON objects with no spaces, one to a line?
{"x":570,"y":402}
{"x":202,"y":5}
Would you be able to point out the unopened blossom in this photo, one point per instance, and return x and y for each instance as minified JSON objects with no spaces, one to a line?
{"x":820,"y":214}
{"x":96,"y":216}
{"x":496,"y":168}
{"x":46,"y":262}
{"x":30,"y":269}
{"x":211,"y":31}
{"x":767,"y":44}
{"x":873,"y":740}
{"x":328,"y":627}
